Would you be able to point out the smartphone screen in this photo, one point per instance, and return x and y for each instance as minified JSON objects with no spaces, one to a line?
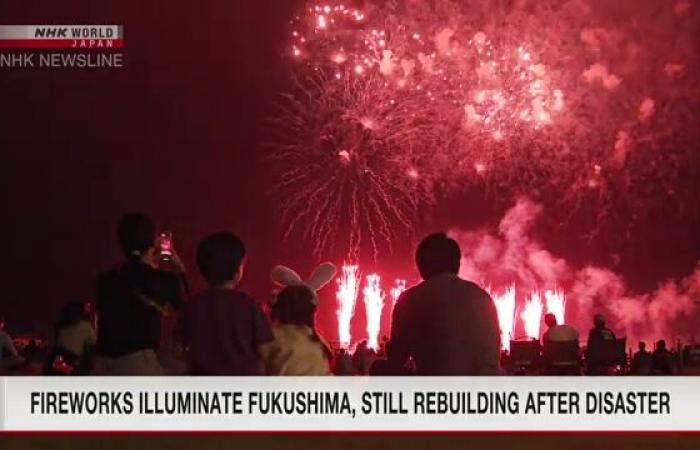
{"x":165,"y":242}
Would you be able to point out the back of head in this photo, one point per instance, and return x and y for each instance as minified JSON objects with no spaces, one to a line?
{"x":599,"y":321}
{"x":550,"y":320}
{"x":295,"y":305}
{"x":136,"y":234}
{"x":437,"y":254}
{"x":219,"y":257}
{"x":642,"y":345}
{"x":661,"y":345}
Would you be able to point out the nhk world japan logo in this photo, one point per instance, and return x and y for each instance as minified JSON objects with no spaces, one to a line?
{"x":99,"y":37}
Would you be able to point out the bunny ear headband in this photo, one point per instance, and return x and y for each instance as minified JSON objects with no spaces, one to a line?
{"x":285,"y":276}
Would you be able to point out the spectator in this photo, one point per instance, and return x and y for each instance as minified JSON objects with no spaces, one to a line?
{"x":662,"y":360}
{"x":131,"y":300}
{"x":556,"y":332}
{"x":641,"y":361}
{"x":9,"y":357}
{"x":223,"y":329}
{"x":75,"y":338}
{"x":446,"y":325}
{"x":298,"y":349}
{"x":600,"y":332}
{"x":598,"y":363}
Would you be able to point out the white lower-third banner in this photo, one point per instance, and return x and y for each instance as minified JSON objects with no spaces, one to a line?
{"x":313,"y":404}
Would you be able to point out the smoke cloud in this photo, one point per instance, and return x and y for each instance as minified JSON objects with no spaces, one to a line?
{"x":511,"y":256}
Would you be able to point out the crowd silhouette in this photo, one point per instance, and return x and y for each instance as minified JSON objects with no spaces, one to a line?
{"x":146,"y":322}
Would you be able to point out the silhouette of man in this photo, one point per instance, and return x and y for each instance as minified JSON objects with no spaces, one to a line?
{"x":556,"y":332}
{"x":597,"y":363}
{"x":600,"y":332}
{"x":662,"y":360}
{"x":445,"y":325}
{"x":641,"y":361}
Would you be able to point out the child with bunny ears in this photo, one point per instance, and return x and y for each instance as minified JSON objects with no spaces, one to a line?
{"x":298,"y":349}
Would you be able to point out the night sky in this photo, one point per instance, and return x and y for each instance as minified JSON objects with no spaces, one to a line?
{"x":179,"y":133}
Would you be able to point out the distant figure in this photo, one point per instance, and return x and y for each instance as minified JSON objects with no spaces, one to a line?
{"x":641,"y":361}
{"x":600,"y":332}
{"x":8,"y":353}
{"x":597,"y":363}
{"x":446,"y":325}
{"x":298,"y":349}
{"x":662,"y":360}
{"x":556,"y":332}
{"x":223,"y":329}
{"x":75,"y":338}
{"x":131,"y":300}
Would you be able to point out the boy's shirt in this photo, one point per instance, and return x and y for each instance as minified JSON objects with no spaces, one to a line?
{"x":224,"y":330}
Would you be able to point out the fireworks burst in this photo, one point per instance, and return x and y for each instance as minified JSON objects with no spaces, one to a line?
{"x":396,"y":291}
{"x":374,"y":304}
{"x":556,"y":304}
{"x":349,"y":171}
{"x":505,"y":306}
{"x":532,"y":315}
{"x":560,"y":101}
{"x":346,"y":296}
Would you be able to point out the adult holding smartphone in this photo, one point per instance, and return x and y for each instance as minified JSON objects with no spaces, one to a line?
{"x":132,"y":298}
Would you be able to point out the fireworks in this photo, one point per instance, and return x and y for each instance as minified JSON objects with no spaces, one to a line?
{"x":346,"y":296}
{"x":396,"y":291}
{"x":556,"y":100}
{"x":374,"y":304}
{"x":348,"y":170}
{"x":532,"y":315}
{"x":556,"y":304}
{"x":505,"y":306}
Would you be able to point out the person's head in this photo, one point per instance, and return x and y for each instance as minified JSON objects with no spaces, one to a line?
{"x":295,"y":305}
{"x":220,"y":258}
{"x":136,"y":234}
{"x":661,"y":345}
{"x":642,"y":346}
{"x":550,"y":320}
{"x":437,"y":254}
{"x":599,"y":321}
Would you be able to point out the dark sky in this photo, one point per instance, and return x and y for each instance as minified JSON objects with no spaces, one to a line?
{"x":178,"y":133}
{"x":175,"y":133}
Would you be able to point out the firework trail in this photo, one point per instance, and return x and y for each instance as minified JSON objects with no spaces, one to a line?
{"x":556,"y":304}
{"x":578,"y":104}
{"x":532,"y":315}
{"x":505,"y":306}
{"x":395,"y":292}
{"x":346,"y":296}
{"x":374,"y":303}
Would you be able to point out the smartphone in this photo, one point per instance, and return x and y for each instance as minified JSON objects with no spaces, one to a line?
{"x":165,"y":245}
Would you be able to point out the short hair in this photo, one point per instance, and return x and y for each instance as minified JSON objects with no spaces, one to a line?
{"x":661,"y":344}
{"x":642,"y":345}
{"x":599,"y":320}
{"x":550,"y":319}
{"x":295,"y":305}
{"x":219,"y":257}
{"x":437,"y":254}
{"x":136,"y":234}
